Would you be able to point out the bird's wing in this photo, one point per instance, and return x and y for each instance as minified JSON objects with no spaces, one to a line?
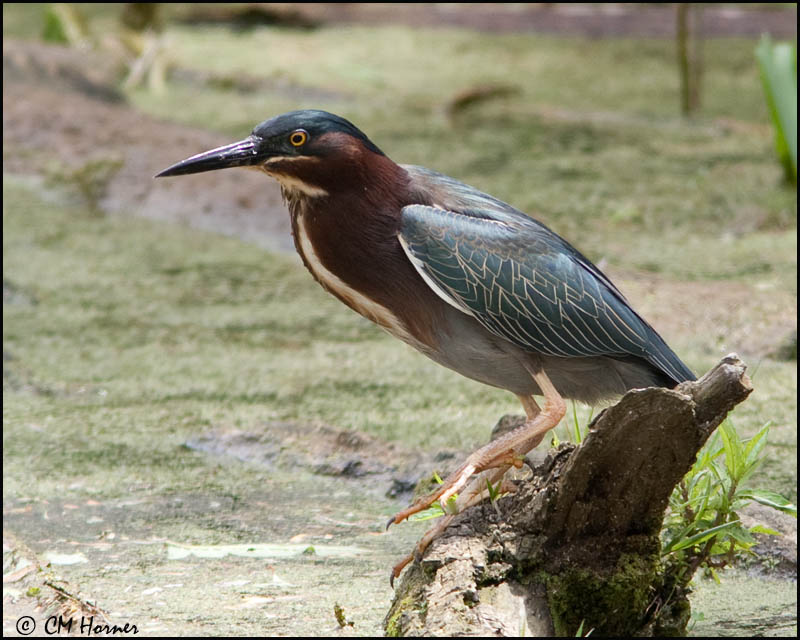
{"x":526,"y":284}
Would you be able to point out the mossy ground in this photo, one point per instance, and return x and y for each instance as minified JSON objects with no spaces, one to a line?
{"x":616,"y":597}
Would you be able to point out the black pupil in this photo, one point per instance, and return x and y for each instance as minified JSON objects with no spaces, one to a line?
{"x":297,"y":138}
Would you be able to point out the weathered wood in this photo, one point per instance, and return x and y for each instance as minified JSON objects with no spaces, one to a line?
{"x":579,"y":541}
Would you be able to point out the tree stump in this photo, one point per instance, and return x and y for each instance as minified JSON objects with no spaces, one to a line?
{"x":577,"y":546}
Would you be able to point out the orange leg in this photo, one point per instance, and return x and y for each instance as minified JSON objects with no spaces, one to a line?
{"x":504,"y":452}
{"x":491,"y":462}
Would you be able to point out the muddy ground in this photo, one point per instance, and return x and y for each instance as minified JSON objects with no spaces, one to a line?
{"x":332,"y":487}
{"x":594,"y":20}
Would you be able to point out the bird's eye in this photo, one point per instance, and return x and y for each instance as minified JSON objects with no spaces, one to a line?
{"x":298,"y":138}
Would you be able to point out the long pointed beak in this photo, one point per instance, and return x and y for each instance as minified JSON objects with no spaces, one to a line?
{"x":239,"y":154}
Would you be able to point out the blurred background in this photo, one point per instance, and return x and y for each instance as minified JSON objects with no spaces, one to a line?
{"x":172,"y":373}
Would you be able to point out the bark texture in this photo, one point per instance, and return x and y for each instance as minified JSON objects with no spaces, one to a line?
{"x":578,"y":543}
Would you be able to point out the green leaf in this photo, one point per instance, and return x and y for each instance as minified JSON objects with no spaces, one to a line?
{"x":450,"y":506}
{"x":741,"y":535}
{"x":65,"y":24}
{"x":434,"y":511}
{"x":705,"y":493}
{"x":752,"y":453}
{"x":700,"y":537}
{"x":756,"y":444}
{"x":494,"y":490}
{"x":674,"y":541}
{"x":769,"y":499}
{"x":760,"y":528}
{"x":577,"y":434}
{"x":734,"y":451}
{"x":778,"y":66}
{"x":697,"y":478}
{"x":723,"y":547}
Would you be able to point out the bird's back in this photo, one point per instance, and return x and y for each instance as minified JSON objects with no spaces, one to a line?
{"x":525,"y":283}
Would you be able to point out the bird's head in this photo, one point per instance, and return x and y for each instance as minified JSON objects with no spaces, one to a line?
{"x":309,"y":152}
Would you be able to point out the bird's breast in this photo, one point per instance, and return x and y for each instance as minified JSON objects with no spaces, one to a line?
{"x":380,"y":309}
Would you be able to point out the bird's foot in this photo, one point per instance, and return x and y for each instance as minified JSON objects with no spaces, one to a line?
{"x":416,"y":555}
{"x":487,"y":457}
{"x":494,"y":459}
{"x":481,"y":487}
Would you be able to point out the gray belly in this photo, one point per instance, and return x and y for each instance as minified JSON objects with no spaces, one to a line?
{"x":468,"y":348}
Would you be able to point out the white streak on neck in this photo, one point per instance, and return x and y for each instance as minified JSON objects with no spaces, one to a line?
{"x":356,"y":300}
{"x":292,"y":183}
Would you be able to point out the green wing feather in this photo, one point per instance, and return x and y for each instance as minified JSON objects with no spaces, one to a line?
{"x":526,"y":284}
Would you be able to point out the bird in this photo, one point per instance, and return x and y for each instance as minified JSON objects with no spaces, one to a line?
{"x":468,"y":280}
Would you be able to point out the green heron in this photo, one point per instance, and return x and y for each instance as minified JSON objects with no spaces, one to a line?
{"x":463,"y":277}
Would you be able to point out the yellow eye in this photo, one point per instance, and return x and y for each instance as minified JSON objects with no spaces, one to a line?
{"x":298,"y":138}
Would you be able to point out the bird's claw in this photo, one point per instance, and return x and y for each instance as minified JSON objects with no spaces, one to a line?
{"x":398,"y":568}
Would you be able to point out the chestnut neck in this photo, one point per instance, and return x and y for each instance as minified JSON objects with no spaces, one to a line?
{"x":352,"y":233}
